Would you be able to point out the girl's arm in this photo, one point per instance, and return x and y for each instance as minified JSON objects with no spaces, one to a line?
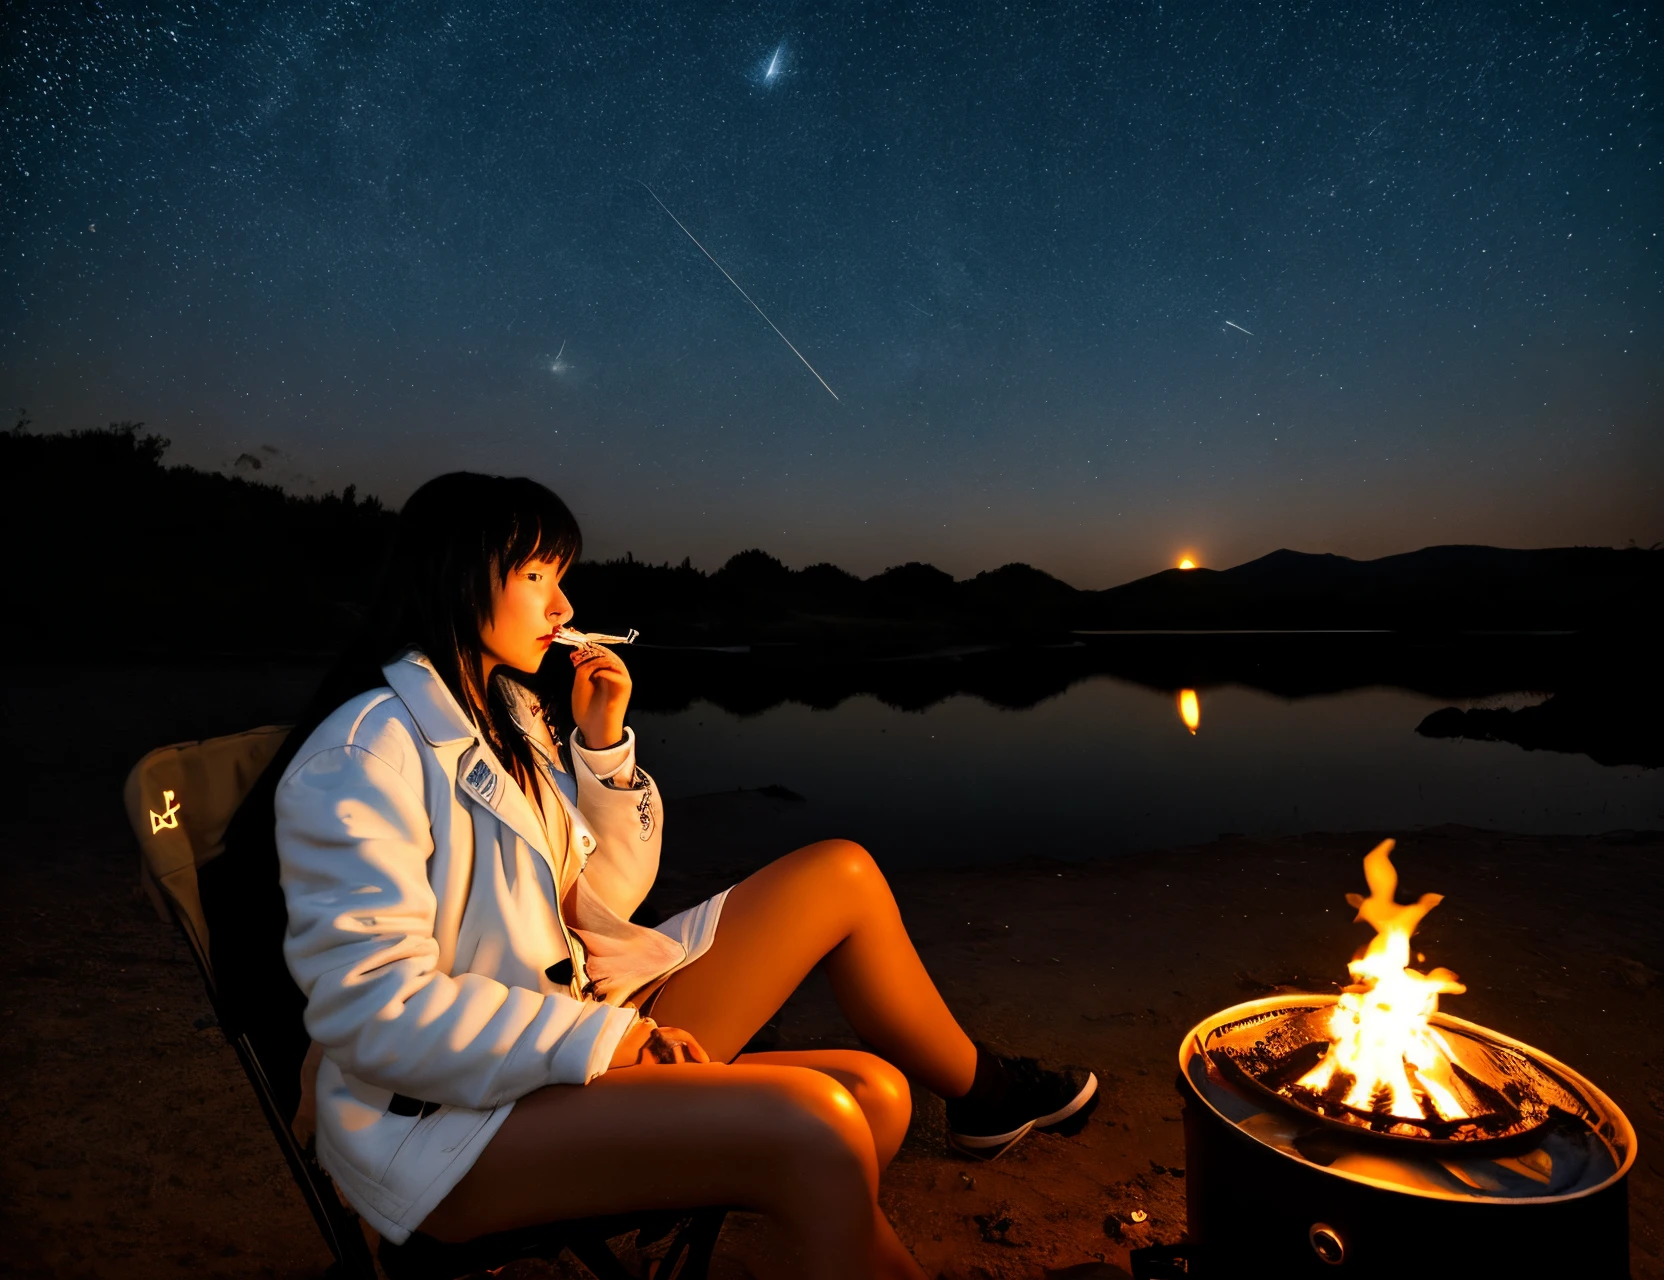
{"x":353,"y":839}
{"x":621,"y":804}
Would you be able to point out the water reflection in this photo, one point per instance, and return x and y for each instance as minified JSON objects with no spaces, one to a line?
{"x":1100,"y":769}
{"x":1190,"y":710}
{"x":1292,"y":665}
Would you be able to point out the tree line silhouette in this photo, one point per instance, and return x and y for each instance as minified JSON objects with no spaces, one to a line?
{"x":113,"y":551}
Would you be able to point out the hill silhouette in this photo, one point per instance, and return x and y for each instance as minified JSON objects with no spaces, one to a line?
{"x":111,"y":550}
{"x":1450,"y":588}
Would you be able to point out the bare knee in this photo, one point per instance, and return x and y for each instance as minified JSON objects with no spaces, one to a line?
{"x":844,"y":868}
{"x":885,"y":1099}
{"x":821,"y":1175}
{"x":823,"y":1144}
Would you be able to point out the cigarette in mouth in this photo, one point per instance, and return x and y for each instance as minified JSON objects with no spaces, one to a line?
{"x":577,"y":639}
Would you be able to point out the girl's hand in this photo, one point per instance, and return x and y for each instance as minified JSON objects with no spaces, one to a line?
{"x":600,"y":695}
{"x":647,"y":1044}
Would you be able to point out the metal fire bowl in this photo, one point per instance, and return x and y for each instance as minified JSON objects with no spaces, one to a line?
{"x":1518,"y":1140}
{"x":1262,"y":1199}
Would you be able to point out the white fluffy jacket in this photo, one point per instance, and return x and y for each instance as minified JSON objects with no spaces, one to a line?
{"x":426,"y":929}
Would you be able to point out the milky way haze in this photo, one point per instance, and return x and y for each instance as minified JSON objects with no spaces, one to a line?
{"x":1094,"y":285}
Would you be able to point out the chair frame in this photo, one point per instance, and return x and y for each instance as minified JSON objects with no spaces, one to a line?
{"x":691,"y":1248}
{"x":339,"y":1225}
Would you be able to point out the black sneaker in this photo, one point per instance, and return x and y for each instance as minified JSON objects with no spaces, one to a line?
{"x":1033,"y":1098}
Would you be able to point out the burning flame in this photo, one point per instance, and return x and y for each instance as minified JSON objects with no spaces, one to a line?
{"x":1187,"y":563}
{"x":1190,"y":710}
{"x":1385,"y":1056}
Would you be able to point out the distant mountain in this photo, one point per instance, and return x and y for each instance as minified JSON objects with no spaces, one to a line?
{"x":110,"y":549}
{"x":755,"y":599}
{"x":1455,"y":588}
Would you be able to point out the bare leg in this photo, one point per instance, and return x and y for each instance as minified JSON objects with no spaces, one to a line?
{"x":878,"y":1089}
{"x":758,"y":1134}
{"x":885,"y":1100}
{"x":827,"y":900}
{"x":784,"y":1141}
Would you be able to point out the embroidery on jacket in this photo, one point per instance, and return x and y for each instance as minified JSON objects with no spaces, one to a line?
{"x":645,"y":810}
{"x":483,"y":780}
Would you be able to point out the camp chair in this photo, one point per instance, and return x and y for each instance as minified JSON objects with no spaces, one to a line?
{"x":179,"y":800}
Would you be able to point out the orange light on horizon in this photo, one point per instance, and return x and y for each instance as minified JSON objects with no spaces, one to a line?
{"x":1190,"y":710}
{"x":1187,"y":563}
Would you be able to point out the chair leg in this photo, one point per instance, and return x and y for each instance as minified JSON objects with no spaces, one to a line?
{"x":690,"y":1255}
{"x":597,"y":1255}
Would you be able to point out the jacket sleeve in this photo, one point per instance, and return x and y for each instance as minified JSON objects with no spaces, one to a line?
{"x":353,"y":839}
{"x":627,"y":818}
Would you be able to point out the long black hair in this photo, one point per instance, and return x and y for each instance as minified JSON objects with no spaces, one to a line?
{"x":459,"y":536}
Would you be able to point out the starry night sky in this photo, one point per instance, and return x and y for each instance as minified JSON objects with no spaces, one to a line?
{"x":1094,"y":284}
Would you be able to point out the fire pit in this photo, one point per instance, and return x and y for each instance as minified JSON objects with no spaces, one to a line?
{"x":1369,"y":1134}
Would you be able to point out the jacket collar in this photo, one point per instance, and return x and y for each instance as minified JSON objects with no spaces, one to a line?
{"x":479,"y":774}
{"x":431,"y":705}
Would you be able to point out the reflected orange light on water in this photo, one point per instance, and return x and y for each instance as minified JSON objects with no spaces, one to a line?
{"x":1190,"y":710}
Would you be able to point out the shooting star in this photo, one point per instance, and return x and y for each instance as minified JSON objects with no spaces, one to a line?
{"x":736,"y":284}
{"x":1235,"y":325}
{"x":774,"y":64}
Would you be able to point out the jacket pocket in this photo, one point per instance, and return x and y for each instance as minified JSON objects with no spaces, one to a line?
{"x":361,"y":1125}
{"x":431,"y":1145}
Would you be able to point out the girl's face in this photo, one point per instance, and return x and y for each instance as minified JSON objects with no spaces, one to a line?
{"x":526,"y":611}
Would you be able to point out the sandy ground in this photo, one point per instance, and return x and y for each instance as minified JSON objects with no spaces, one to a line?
{"x":137,"y":1150}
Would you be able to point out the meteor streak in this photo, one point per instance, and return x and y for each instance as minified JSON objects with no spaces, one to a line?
{"x":1235,"y":325}
{"x":736,"y":284}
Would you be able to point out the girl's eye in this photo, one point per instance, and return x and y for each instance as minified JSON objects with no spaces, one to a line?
{"x":534,"y":577}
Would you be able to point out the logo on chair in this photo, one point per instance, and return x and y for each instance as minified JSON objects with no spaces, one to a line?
{"x":482,"y":780}
{"x":168,"y":819}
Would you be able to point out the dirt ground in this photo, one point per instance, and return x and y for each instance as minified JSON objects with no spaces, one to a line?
{"x":138,"y":1151}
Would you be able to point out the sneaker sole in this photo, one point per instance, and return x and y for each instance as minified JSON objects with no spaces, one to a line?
{"x":1068,"y":1120}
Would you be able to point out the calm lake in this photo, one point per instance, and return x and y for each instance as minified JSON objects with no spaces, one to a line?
{"x":1047,"y":757}
{"x":1108,"y":766}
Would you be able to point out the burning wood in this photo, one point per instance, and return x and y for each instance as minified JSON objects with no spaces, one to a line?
{"x":1399,"y":1065}
{"x":1373,"y":1060}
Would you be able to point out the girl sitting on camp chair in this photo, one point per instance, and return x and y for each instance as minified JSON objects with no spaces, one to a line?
{"x":501,"y":1045}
